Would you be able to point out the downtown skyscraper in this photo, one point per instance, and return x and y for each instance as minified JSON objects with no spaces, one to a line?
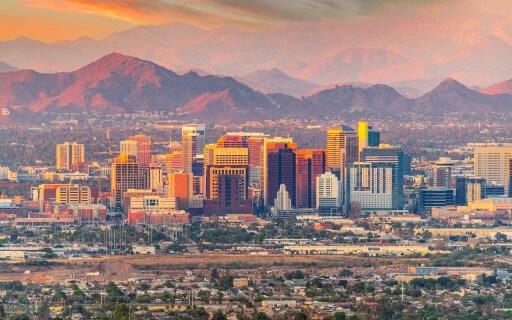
{"x":193,"y":141}
{"x":310,"y":164}
{"x":69,"y":155}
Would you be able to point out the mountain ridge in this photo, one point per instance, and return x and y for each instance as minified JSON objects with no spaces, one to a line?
{"x":120,"y":83}
{"x":117,"y":83}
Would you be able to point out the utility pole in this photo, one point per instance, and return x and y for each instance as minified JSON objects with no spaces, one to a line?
{"x":402,"y":291}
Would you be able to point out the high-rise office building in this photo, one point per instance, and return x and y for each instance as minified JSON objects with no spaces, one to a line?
{"x":226,"y":189}
{"x":181,"y":188}
{"x":128,"y":147}
{"x":492,"y":164}
{"x":198,"y":168}
{"x":143,"y":149}
{"x":229,"y":156}
{"x":282,"y":202}
{"x":442,"y":172}
{"x":328,"y":193}
{"x":469,"y":189}
{"x":156,"y":179}
{"x":69,"y":155}
{"x":434,"y":197}
{"x":125,"y":175}
{"x":254,"y":142}
{"x":255,"y":145}
{"x":342,"y":147}
{"x":193,"y":141}
{"x":174,"y":161}
{"x":271,"y":145}
{"x":280,"y":169}
{"x":212,"y":177}
{"x":367,"y":135}
{"x":47,"y":193}
{"x":389,"y":154}
{"x":73,"y":194}
{"x":310,"y":164}
{"x":373,"y":186}
{"x":494,"y":190}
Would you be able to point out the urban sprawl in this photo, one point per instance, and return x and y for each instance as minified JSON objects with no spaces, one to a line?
{"x":253,"y":226}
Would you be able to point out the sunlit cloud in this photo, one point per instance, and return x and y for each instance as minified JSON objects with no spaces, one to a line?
{"x":208,"y":13}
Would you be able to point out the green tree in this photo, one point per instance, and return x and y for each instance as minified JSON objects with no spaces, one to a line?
{"x":218,"y":315}
{"x":339,"y":316}
{"x":260,"y":316}
{"x":301,"y":315}
{"x":121,"y":312}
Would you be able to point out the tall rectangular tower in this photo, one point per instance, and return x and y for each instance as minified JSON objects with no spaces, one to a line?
{"x":69,"y":155}
{"x":193,"y":141}
{"x":310,"y":164}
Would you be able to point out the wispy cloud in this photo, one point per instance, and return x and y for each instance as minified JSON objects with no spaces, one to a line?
{"x":208,"y":13}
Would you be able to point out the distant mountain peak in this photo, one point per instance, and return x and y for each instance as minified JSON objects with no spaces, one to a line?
{"x":123,"y":83}
{"x":450,"y":84}
{"x":114,"y":58}
{"x":450,"y":81}
{"x":275,"y":80}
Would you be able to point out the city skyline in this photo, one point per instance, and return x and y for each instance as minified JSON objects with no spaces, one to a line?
{"x":255,"y":159}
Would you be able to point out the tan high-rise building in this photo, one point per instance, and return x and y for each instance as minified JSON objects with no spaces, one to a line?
{"x":156,"y":179}
{"x":230,"y":156}
{"x":128,"y":147}
{"x":73,"y":194}
{"x":69,"y":155}
{"x":492,"y":163}
{"x":125,"y":175}
{"x":174,"y":161}
{"x":342,"y":147}
{"x":47,"y":193}
{"x":215,"y":171}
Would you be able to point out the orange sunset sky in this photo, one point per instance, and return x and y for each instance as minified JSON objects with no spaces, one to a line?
{"x":55,"y":20}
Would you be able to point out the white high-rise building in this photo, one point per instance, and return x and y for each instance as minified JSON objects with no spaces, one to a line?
{"x":372,"y":185}
{"x":283,"y":201}
{"x":156,"y":180}
{"x":492,"y":163}
{"x":328,"y":191}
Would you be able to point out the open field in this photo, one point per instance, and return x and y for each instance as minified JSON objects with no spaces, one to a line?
{"x":126,"y":267}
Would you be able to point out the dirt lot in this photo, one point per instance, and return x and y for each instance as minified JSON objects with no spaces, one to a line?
{"x":125,"y":267}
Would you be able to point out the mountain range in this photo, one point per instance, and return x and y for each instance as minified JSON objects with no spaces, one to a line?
{"x":276,"y":81}
{"x":322,"y":54}
{"x":117,"y":83}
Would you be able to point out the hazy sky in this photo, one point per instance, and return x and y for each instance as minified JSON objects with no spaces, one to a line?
{"x":53,"y":20}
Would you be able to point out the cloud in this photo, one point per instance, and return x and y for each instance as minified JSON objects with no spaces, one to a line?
{"x":211,"y":13}
{"x":145,"y":12}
